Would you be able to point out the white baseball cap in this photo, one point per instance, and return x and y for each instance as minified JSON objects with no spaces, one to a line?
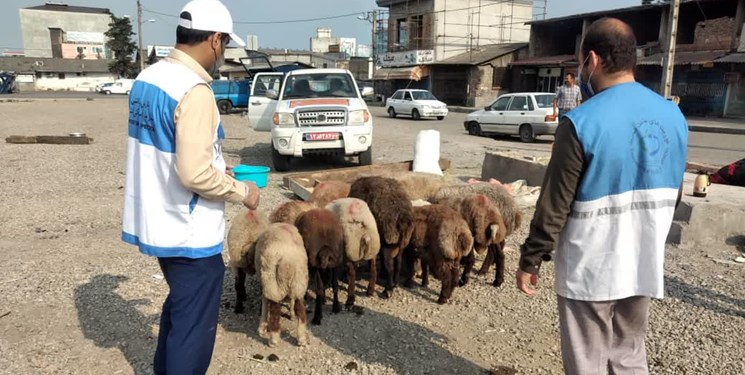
{"x":209,"y":15}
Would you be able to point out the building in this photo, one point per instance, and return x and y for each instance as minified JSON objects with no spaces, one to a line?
{"x":156,"y":53}
{"x":51,"y":74}
{"x":709,"y":65}
{"x":325,"y":42}
{"x":458,"y":49}
{"x":64,"y":31}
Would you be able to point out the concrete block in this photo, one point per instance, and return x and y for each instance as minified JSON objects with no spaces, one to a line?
{"x":507,"y":169}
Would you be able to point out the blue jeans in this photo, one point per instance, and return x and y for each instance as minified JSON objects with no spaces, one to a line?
{"x":188,"y":323}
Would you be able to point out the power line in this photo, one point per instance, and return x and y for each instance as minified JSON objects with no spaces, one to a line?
{"x":269,"y":22}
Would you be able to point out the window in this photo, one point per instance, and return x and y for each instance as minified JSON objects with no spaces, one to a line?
{"x":501,"y":104}
{"x":61,"y":76}
{"x":545,"y":101}
{"x":418,"y":32}
{"x":402,"y":33}
{"x":398,"y":95}
{"x":519,"y":103}
{"x":423,"y":95}
{"x":266,"y":83}
{"x":407,"y":96}
{"x":319,"y":85}
{"x":499,"y":77}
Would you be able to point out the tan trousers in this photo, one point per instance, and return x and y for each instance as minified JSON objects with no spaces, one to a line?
{"x":604,"y":337}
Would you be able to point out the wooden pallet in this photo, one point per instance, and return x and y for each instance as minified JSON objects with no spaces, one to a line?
{"x":302,"y":184}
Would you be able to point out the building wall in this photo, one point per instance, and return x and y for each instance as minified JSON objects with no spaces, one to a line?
{"x":35,"y":26}
{"x":321,"y":45}
{"x":71,"y":81}
{"x":70,"y":51}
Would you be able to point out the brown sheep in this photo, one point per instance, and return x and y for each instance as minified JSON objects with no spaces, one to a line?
{"x":441,"y":238}
{"x":505,"y":203}
{"x":326,"y":192}
{"x":288,"y":212}
{"x":488,"y":230}
{"x":394,"y":216}
{"x":419,"y":185}
{"x":324,"y":244}
{"x":245,"y":228}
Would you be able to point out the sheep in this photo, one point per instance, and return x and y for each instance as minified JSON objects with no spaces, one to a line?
{"x":326,"y":192}
{"x":245,"y":228}
{"x":288,"y":212}
{"x":488,"y":229}
{"x":505,"y":203}
{"x":419,"y":185}
{"x":361,"y":240}
{"x":324,"y":244}
{"x":394,"y":217}
{"x":441,"y":238}
{"x":282,"y":270}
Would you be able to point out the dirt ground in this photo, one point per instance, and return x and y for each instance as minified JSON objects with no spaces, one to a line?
{"x":74,"y":299}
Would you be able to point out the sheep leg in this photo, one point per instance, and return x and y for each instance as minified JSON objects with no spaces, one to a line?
{"x":302,"y":321}
{"x":336,"y":308}
{"x":488,"y":261}
{"x":499,"y":257}
{"x":320,"y":296}
{"x":275,"y":313}
{"x":425,"y":274}
{"x":351,"y":280}
{"x":263,"y":321}
{"x":373,"y":277}
{"x":390,"y":269}
{"x":240,"y":290}
{"x":397,"y":262}
{"x":409,"y":263}
{"x":451,"y":273}
{"x":468,"y":262}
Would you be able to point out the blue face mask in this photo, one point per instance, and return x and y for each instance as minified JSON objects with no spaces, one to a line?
{"x":586,"y":86}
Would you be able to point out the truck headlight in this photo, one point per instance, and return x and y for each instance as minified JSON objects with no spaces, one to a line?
{"x":359,"y":117}
{"x":283,"y":119}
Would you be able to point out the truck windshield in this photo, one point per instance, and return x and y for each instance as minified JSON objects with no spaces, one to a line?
{"x":318,"y":85}
{"x":423,"y":95}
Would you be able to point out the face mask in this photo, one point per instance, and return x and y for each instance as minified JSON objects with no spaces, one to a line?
{"x":219,"y":61}
{"x":586,"y":86}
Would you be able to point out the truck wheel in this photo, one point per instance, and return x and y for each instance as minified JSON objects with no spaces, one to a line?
{"x":415,"y":114}
{"x":526,"y":133}
{"x":107,"y":92}
{"x":224,"y":106}
{"x":281,"y":162}
{"x":366,"y":157}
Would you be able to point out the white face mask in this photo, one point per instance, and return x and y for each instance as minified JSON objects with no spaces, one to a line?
{"x":586,"y":86}
{"x":219,"y":61}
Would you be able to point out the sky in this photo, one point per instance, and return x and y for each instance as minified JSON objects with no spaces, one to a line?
{"x":293,"y":35}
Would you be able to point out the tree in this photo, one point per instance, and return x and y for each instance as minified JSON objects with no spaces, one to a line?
{"x":121,"y":44}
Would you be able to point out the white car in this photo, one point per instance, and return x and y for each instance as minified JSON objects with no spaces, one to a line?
{"x":415,"y":103}
{"x":121,"y":86}
{"x":524,"y":114}
{"x":311,"y":112}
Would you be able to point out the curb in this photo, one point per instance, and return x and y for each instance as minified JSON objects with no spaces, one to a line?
{"x":712,"y":129}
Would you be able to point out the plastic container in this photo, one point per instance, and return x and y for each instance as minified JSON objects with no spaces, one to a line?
{"x":258,"y":174}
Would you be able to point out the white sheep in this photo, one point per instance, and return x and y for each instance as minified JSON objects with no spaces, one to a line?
{"x":282,"y":270}
{"x":361,"y":240}
{"x":245,"y":228}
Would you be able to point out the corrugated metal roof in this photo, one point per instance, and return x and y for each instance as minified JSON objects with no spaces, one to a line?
{"x":35,"y":64}
{"x":547,"y":60}
{"x":70,"y":8}
{"x":735,"y":58}
{"x":684,"y":58}
{"x":482,"y":55}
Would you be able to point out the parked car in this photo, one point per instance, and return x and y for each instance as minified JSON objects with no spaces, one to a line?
{"x":415,"y":103}
{"x":312,"y":112}
{"x":230,"y":94}
{"x":121,"y":86}
{"x":527,"y":115}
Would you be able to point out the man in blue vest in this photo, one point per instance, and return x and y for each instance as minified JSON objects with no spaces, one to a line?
{"x":608,"y":197}
{"x":177,"y":183}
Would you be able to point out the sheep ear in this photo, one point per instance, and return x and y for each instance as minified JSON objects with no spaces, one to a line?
{"x":493,"y":232}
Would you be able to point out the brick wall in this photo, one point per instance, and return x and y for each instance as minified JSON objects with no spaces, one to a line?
{"x":714,"y":34}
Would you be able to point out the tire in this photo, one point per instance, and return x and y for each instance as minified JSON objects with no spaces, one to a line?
{"x":526,"y":133}
{"x":107,"y":92}
{"x":474,"y":129}
{"x":127,"y":92}
{"x":391,"y":112}
{"x":415,"y":114}
{"x":440,"y":118}
{"x":366,"y":157}
{"x":224,"y":106}
{"x":281,"y":162}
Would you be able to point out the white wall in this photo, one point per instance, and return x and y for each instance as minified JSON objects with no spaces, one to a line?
{"x":72,"y":82}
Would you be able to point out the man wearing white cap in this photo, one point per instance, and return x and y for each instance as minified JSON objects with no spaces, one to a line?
{"x":177,"y":183}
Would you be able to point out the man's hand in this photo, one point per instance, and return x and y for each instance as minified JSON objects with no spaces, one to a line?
{"x":252,"y":196}
{"x":229,"y":170}
{"x":525,"y":281}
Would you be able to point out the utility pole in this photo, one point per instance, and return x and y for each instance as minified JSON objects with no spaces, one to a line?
{"x":139,"y":35}
{"x":669,"y":57}
{"x":374,"y":43}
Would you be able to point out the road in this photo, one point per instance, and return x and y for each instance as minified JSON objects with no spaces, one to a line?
{"x":60,"y":95}
{"x":709,"y":148}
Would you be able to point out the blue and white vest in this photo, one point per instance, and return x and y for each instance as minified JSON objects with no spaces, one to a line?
{"x":635,"y":148}
{"x":161,"y":216}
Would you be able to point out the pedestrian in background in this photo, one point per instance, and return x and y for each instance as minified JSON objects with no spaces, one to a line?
{"x":608,"y":196}
{"x":177,"y":183}
{"x":568,"y":96}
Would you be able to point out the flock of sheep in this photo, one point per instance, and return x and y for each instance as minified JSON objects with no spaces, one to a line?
{"x":399,"y":220}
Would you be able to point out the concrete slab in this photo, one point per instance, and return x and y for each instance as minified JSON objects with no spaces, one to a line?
{"x":508,"y":168}
{"x":713,"y":219}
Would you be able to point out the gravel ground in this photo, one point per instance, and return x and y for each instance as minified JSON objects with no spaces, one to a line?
{"x":75,"y":300}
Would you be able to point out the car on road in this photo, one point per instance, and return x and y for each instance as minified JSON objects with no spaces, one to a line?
{"x":526,"y":115}
{"x":415,"y":103}
{"x":312,"y":112}
{"x":121,"y":86}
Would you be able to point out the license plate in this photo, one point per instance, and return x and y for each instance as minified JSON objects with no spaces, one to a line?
{"x":321,"y":136}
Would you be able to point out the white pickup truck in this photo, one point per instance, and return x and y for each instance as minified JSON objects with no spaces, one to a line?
{"x":311,"y":112}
